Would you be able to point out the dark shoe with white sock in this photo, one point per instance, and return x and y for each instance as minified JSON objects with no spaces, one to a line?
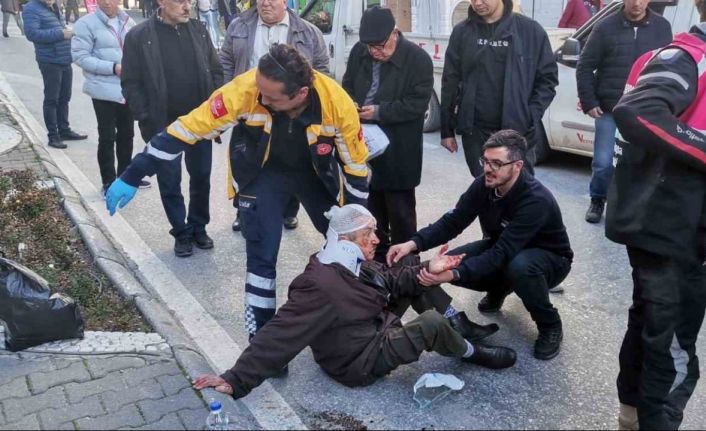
{"x":493,"y":357}
{"x":471,"y":331}
{"x":595,"y":210}
{"x":491,"y":303}
{"x":548,"y":343}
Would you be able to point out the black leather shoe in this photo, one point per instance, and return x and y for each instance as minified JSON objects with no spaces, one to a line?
{"x":471,"y":331}
{"x":236,"y":223}
{"x":290,"y":223}
{"x":203,"y":241}
{"x":72,"y":136}
{"x":492,"y":357}
{"x":595,"y":210}
{"x":183,"y":247}
{"x":56,"y":142}
{"x":491,"y":303}
{"x":548,"y":343}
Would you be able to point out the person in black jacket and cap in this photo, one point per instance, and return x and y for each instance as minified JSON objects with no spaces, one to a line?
{"x":391,"y":80}
{"x":499,"y":73}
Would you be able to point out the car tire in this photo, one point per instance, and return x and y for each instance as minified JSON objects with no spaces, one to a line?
{"x":432,"y":118}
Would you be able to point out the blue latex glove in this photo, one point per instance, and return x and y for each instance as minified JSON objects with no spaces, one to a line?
{"x":118,"y":195}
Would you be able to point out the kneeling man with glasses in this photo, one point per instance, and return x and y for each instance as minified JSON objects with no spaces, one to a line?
{"x":525,"y":248}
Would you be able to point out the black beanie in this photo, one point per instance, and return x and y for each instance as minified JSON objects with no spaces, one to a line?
{"x":376,"y":25}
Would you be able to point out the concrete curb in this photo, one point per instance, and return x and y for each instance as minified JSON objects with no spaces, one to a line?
{"x":119,"y":270}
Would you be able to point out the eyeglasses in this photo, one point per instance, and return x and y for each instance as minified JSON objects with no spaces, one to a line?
{"x":379,"y":46}
{"x":494,"y":164}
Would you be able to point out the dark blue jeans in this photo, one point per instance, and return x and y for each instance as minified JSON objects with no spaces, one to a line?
{"x":603,"y":148}
{"x":198,"y":165}
{"x":530,"y":275}
{"x":262,"y":205}
{"x":57,"y":94}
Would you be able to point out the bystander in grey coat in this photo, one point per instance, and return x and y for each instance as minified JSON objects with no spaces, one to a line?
{"x":236,"y":52}
{"x":11,"y":8}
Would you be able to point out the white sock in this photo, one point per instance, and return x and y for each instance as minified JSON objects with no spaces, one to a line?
{"x":469,"y":350}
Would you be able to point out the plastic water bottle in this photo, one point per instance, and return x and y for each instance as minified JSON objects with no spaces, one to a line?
{"x":216,"y":420}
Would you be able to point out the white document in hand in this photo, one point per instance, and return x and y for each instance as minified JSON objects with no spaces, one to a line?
{"x":375,"y":139}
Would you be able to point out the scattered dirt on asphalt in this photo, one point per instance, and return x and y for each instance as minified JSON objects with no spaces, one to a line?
{"x":335,"y":421}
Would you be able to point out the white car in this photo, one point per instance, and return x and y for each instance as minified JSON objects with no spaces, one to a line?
{"x":568,"y":128}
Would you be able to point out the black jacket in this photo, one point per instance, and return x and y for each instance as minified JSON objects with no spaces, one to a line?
{"x":528,"y":216}
{"x":143,"y":81}
{"x":406,"y":83}
{"x":611,"y":49}
{"x":530,"y":77}
{"x":657,"y":200}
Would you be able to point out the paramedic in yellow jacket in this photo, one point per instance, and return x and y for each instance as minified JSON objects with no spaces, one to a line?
{"x":296,"y":132}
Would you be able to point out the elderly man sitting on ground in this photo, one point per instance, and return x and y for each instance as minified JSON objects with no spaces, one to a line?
{"x":347,"y":308}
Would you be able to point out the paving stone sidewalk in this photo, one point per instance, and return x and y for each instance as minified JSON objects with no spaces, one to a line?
{"x":145,"y":390}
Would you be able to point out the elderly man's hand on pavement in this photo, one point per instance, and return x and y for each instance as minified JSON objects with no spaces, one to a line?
{"x":118,"y":195}
{"x":398,"y":251}
{"x":426,"y":278}
{"x":441,"y":262}
{"x":211,"y":381}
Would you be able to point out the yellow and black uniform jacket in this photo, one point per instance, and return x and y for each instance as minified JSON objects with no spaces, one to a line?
{"x":338,"y":150}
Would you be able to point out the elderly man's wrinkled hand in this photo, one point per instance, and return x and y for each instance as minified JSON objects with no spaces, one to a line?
{"x":118,"y":195}
{"x":442,"y":262}
{"x":211,"y":381}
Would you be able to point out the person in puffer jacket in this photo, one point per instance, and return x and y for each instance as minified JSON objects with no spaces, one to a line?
{"x":97,"y":48}
{"x":52,"y":47}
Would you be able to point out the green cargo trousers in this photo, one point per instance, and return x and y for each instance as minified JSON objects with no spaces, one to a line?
{"x":403,"y":345}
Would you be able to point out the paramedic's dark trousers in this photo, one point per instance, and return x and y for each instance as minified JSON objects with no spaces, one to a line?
{"x":658,"y":363}
{"x":261,"y":205}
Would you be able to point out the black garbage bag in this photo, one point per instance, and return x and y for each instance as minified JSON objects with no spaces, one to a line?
{"x":31,"y":313}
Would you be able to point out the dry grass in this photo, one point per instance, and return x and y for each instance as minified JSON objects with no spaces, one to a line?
{"x":53,"y":249}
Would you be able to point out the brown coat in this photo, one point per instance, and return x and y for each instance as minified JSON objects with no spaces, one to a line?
{"x":335,"y":313}
{"x":10,"y":6}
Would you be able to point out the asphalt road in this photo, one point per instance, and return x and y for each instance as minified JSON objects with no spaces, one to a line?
{"x":575,"y":390}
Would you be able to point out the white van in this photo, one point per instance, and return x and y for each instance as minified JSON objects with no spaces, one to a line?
{"x":339,"y":21}
{"x":568,"y":128}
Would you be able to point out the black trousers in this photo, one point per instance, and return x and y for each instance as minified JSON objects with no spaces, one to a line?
{"x":658,"y":363}
{"x":473,"y":150}
{"x":530,"y":275}
{"x":57,"y":94}
{"x":116,"y":130}
{"x":69,"y":9}
{"x":396,"y":215}
{"x":198,"y":165}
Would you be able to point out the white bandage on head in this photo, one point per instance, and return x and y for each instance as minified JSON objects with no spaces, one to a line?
{"x":348,"y":218}
{"x":344,"y":220}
